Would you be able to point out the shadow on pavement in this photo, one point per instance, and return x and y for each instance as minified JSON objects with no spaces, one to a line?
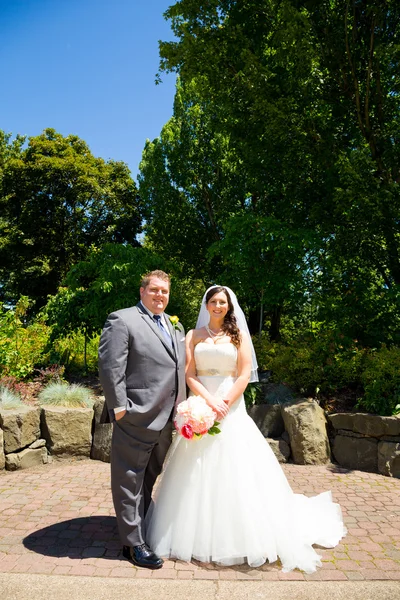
{"x":84,"y":537}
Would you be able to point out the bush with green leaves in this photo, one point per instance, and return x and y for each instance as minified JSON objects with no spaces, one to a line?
{"x":9,"y":399}
{"x":326,"y":362}
{"x":252,"y":394}
{"x":69,"y":396}
{"x":69,"y":350}
{"x":291,"y":364}
{"x":381,"y":382}
{"x":22,"y":346}
{"x":313,"y":362}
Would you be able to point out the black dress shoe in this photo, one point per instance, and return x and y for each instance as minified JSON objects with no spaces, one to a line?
{"x":142,"y":556}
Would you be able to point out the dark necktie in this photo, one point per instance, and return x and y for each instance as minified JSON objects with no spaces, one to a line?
{"x":161,"y":327}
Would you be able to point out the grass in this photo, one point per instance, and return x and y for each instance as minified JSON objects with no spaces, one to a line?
{"x":9,"y":399}
{"x":65,"y":395}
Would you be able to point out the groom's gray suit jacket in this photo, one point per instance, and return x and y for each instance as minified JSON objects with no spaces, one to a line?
{"x":138,"y":370}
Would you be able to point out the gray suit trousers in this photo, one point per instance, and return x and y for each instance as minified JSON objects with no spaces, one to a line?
{"x":137,"y":456}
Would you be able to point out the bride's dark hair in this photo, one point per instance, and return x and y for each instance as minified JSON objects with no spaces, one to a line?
{"x":229,"y":326}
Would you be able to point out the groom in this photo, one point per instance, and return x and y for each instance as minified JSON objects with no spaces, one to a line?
{"x":142,"y":372}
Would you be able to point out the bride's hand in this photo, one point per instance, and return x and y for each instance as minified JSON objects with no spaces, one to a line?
{"x":220,"y":407}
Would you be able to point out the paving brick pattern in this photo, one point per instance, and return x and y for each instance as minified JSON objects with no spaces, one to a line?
{"x":59,"y":519}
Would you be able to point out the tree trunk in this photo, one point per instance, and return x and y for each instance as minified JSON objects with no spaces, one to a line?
{"x":274,"y":330}
{"x":254,"y":321}
{"x":85,"y":353}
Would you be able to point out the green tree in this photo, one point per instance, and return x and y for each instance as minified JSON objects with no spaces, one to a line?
{"x":57,"y":200}
{"x":360,"y":62}
{"x":190,"y":182}
{"x":109,"y":280}
{"x":255,"y":137}
{"x":308,"y":95}
{"x":268,"y":264}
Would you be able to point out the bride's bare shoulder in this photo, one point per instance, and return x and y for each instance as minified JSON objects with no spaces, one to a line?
{"x":196,"y":335}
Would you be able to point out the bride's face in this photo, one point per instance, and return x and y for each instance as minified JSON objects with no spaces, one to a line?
{"x":218,"y":306}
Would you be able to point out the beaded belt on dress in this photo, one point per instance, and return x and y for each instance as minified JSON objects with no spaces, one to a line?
{"x":216,"y":372}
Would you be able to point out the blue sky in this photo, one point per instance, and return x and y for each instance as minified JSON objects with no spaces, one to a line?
{"x":85,"y":67}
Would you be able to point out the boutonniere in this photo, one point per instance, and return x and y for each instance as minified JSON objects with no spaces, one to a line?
{"x":174,"y":320}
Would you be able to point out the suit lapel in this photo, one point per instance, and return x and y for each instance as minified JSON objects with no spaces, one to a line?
{"x":150,"y":323}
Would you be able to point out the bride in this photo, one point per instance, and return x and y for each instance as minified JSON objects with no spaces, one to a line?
{"x":225,"y":498}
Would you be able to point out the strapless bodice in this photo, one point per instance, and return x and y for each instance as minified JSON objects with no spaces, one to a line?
{"x":215,"y":359}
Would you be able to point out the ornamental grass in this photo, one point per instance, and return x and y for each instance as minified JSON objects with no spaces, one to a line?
{"x":9,"y":399}
{"x":65,"y":395}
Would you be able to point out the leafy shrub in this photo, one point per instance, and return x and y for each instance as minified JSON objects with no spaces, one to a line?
{"x":252,"y":394}
{"x":62,"y":394}
{"x":22,"y":347}
{"x":290,"y":364}
{"x":315,"y":362}
{"x":381,"y":382}
{"x":9,"y":399}
{"x":265,"y":351}
{"x":326,"y":362}
{"x":69,"y":351}
{"x":50,"y":374}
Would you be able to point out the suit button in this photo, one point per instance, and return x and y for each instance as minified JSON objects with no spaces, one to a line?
{"x":173,"y":393}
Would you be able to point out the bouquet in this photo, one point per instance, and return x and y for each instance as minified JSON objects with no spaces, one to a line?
{"x":194,"y":418}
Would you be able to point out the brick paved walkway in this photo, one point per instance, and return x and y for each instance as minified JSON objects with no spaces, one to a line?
{"x":59,"y":519}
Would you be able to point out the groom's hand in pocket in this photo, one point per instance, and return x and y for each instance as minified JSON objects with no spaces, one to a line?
{"x":120,"y":414}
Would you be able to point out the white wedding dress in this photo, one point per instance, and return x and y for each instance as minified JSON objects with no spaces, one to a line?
{"x":225,"y":498}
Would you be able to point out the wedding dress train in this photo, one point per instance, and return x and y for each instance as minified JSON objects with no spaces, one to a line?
{"x":225,"y":498}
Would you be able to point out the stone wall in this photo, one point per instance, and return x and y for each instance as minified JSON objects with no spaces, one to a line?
{"x":353,"y":440}
{"x":297,"y":430}
{"x":366,"y":442}
{"x":30,"y":436}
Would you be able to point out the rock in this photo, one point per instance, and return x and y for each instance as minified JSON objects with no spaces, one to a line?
{"x":372,"y":425}
{"x":21,"y":427}
{"x":280,"y":448}
{"x":376,"y":426}
{"x":268,"y":418}
{"x":2,"y":455}
{"x":101,"y":445}
{"x":38,"y":444}
{"x":264,"y":376}
{"x":276,"y":393}
{"x":307,"y":428}
{"x":67,"y":431}
{"x":389,"y":459}
{"x":350,"y":433}
{"x":285,"y":437}
{"x":30,"y":457}
{"x":342,"y":420}
{"x":356,"y":453}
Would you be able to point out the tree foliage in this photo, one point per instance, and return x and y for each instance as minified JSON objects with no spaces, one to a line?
{"x":56,"y":200}
{"x":305,"y":95}
{"x":190,"y":183}
{"x":109,"y":280}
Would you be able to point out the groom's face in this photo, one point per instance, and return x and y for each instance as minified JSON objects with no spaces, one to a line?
{"x":155,"y":295}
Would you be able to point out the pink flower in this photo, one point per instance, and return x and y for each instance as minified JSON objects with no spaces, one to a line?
{"x":194,"y":418}
{"x":187,"y":432}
